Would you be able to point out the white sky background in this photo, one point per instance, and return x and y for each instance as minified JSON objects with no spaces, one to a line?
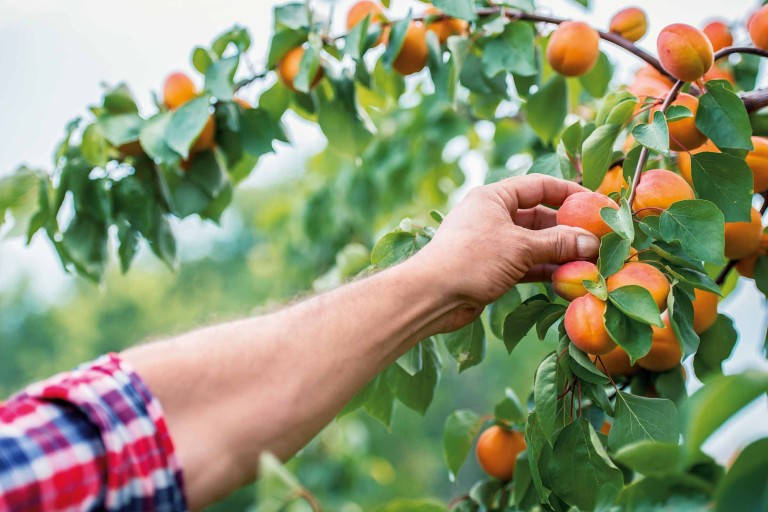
{"x":55,"y":54}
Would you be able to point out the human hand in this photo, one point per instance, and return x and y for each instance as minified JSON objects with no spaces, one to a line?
{"x":499,"y":235}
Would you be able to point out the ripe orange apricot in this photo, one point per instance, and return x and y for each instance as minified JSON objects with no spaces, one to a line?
{"x":658,"y":190}
{"x":177,"y":90}
{"x":289,"y":68}
{"x":644,"y":275}
{"x":616,"y":362}
{"x":630,"y":23}
{"x":757,"y":160}
{"x":683,"y":134}
{"x":746,"y":266}
{"x":665,"y":351}
{"x":704,"y":310}
{"x":363,"y":8}
{"x":567,"y":279}
{"x":685,"y":52}
{"x":684,"y":159}
{"x":585,"y":325}
{"x":497,"y":450}
{"x":573,"y":48}
{"x":743,"y":238}
{"x":582,"y":210}
{"x":605,"y":428}
{"x":613,"y":182}
{"x":758,"y":28}
{"x":445,"y":27}
{"x":717,"y":72}
{"x":206,"y":138}
{"x":244,"y":104}
{"x":719,"y":35}
{"x":414,"y":52}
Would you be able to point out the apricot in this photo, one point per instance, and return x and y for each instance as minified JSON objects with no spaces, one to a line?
{"x":445,"y":27}
{"x":615,"y":363}
{"x":289,"y":67}
{"x":567,"y":279}
{"x":746,"y":266}
{"x":718,"y":34}
{"x":360,"y":10}
{"x":582,"y":210}
{"x":665,"y":351}
{"x":414,"y":52}
{"x":585,"y":325}
{"x":243,"y":103}
{"x":613,"y":182}
{"x":605,"y":428}
{"x":685,"y":52}
{"x":648,"y":71}
{"x":658,"y":190}
{"x":684,"y":159}
{"x":758,"y":28}
{"x":704,"y":310}
{"x":206,"y":138}
{"x":630,"y":23}
{"x":177,"y":90}
{"x":719,"y":73}
{"x":683,"y":134}
{"x":644,"y":275}
{"x":573,"y":48}
{"x":743,"y":238}
{"x":497,"y":450}
{"x":757,"y":160}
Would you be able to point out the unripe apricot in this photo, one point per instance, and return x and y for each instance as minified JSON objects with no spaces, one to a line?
{"x":719,"y":35}
{"x":746,"y":266}
{"x":177,"y":90}
{"x":719,"y":73}
{"x":573,"y":48}
{"x":743,"y":238}
{"x":757,"y":160}
{"x":206,"y":138}
{"x":758,"y":28}
{"x":497,"y":450}
{"x":630,"y":23}
{"x":567,"y":279}
{"x":582,"y":210}
{"x":683,"y":134}
{"x":684,"y":159}
{"x":445,"y":27}
{"x":643,"y":275}
{"x":658,"y":190}
{"x":704,"y":310}
{"x":289,"y":67}
{"x":414,"y":52}
{"x":615,"y":363}
{"x":585,"y":325}
{"x":613,"y":182}
{"x":665,"y":351}
{"x":363,"y":8}
{"x":685,"y":52}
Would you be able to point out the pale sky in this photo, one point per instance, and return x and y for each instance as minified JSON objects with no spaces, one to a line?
{"x":56,"y":53}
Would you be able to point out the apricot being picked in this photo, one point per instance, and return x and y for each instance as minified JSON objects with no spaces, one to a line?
{"x":360,"y":10}
{"x":630,"y":23}
{"x":573,"y":48}
{"x":567,"y":279}
{"x":685,"y":52}
{"x":658,"y":190}
{"x":613,"y":181}
{"x":445,"y":27}
{"x":643,"y":275}
{"x":683,"y":134}
{"x":665,"y":351}
{"x":615,"y":363}
{"x":718,"y":34}
{"x":497,"y":450}
{"x":585,"y":325}
{"x":704,"y":310}
{"x":414,"y":52}
{"x":757,"y":160}
{"x":746,"y":266}
{"x":177,"y":90}
{"x":582,"y":210}
{"x":289,"y":67}
{"x":684,"y":159}
{"x":758,"y":28}
{"x":743,"y":238}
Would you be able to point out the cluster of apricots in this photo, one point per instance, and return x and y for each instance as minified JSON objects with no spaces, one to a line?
{"x":497,"y":450}
{"x":178,"y":89}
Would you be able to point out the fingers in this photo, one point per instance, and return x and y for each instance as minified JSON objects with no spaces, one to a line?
{"x":524,"y":192}
{"x":561,"y":244}
{"x":538,"y":217}
{"x":540,"y":273}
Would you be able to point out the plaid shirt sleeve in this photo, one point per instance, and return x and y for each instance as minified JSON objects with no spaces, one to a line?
{"x":91,"y":439}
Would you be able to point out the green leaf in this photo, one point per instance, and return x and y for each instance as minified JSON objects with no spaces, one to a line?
{"x":583,"y":367}
{"x":395,"y":44}
{"x":597,"y":154}
{"x":596,"y":80}
{"x":726,"y":181}
{"x":681,"y":316}
{"x":464,"y":9}
{"x":412,"y":506}
{"x":547,"y":318}
{"x":617,"y":108}
{"x":120,"y":129}
{"x":499,"y":310}
{"x":722,"y":117}
{"x":636,"y":302}
{"x":512,"y":51}
{"x":637,"y":418}
{"x":699,"y":227}
{"x":620,"y":220}
{"x":119,"y":100}
{"x":201,"y":59}
{"x":614,"y":250}
{"x":416,"y":391}
{"x":380,"y":401}
{"x":552,"y":164}
{"x":220,"y":77}
{"x":85,"y":243}
{"x":547,"y":108}
{"x":633,"y":336}
{"x":522,"y":319}
{"x":276,"y":486}
{"x":654,"y":135}
{"x":355,"y":42}
{"x":716,"y":403}
{"x":545,"y":391}
{"x":461,"y":428}
{"x":539,"y":451}
{"x":467,"y":345}
{"x":394,"y":247}
{"x":745,"y":486}
{"x":258,"y":131}
{"x":94,"y":146}
{"x":344,"y":129}
{"x":580,"y":471}
{"x":598,"y":289}
{"x":716,"y":346}
{"x":510,"y":408}
{"x":649,"y":457}
{"x":186,"y":124}
{"x":309,"y":65}
{"x":678,"y":112}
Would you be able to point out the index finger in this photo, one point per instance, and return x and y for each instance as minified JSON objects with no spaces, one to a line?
{"x":524,"y":192}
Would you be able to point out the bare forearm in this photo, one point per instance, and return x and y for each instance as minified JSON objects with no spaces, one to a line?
{"x":272,"y":382}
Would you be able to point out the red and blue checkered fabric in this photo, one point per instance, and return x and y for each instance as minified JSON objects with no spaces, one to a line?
{"x":91,"y":439}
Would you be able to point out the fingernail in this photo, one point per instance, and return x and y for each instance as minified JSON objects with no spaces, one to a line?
{"x":587,"y":246}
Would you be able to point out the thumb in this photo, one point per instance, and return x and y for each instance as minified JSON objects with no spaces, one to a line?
{"x":561,"y":244}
